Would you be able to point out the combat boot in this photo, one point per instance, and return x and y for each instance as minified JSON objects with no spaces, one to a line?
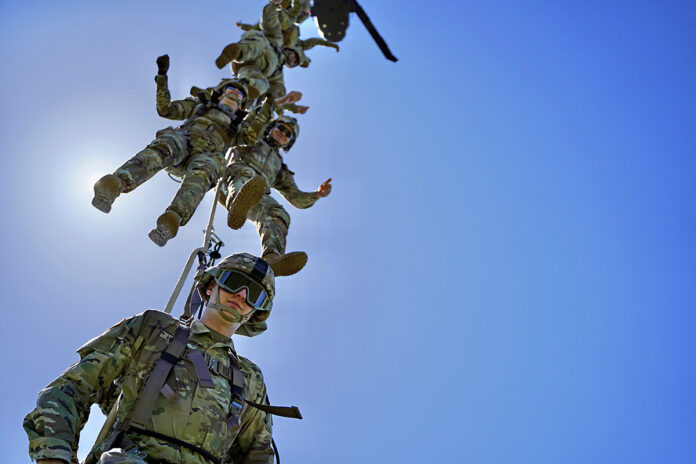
{"x":229,"y":53}
{"x":251,"y":193}
{"x":167,"y":227}
{"x":287,"y":264}
{"x":106,"y":190}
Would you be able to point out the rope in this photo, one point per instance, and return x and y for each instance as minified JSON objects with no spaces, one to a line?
{"x":207,"y":235}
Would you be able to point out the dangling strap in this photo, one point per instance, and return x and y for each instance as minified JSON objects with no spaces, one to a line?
{"x":163,"y":366}
{"x":238,"y":390}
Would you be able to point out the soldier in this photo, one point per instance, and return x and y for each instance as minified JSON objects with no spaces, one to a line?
{"x":182,"y":394}
{"x":259,"y":56}
{"x":194,"y":151}
{"x":290,"y":16}
{"x":247,"y":181}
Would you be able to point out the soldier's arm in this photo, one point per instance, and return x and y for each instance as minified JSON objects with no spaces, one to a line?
{"x":177,"y":110}
{"x":248,"y":27}
{"x":253,"y":443}
{"x":314,"y":41}
{"x":255,"y":122}
{"x":276,"y":84}
{"x":62,"y":408}
{"x":270,"y":24}
{"x":285,"y":184}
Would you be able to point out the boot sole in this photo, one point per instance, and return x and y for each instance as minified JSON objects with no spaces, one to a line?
{"x":289,"y":264}
{"x":250,"y":194}
{"x":160,"y":236}
{"x":223,"y":59}
{"x":102,"y":202}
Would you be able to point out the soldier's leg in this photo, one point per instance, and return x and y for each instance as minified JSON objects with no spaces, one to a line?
{"x":256,"y":82}
{"x":272,"y":223}
{"x":168,"y":149}
{"x":244,"y":189}
{"x":249,"y":47}
{"x":202,"y":173}
{"x":119,"y":456}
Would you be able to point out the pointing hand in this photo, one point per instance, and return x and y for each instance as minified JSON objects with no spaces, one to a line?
{"x":324,"y":189}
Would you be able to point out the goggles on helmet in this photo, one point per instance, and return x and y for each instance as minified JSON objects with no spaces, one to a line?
{"x":234,"y":281}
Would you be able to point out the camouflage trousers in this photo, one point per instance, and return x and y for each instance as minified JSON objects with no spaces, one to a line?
{"x":269,"y":217}
{"x":195,"y":157}
{"x":252,"y":45}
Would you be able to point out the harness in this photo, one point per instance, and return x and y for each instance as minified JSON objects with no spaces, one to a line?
{"x":138,"y":418}
{"x":203,"y":108}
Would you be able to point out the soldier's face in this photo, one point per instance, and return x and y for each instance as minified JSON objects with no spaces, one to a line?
{"x":290,"y":58}
{"x":235,"y":300}
{"x":233,"y":98}
{"x":282,"y":133}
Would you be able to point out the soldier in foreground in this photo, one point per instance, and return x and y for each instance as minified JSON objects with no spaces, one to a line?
{"x":194,"y":151}
{"x":248,"y":178}
{"x":182,"y":394}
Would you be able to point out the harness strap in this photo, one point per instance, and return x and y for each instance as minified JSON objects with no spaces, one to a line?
{"x":238,"y":388}
{"x":205,"y":380}
{"x":163,"y":366}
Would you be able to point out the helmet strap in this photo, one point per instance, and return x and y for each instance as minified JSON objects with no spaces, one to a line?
{"x":226,"y":312}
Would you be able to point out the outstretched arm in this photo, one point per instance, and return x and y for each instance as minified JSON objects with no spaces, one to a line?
{"x":314,"y":41}
{"x":177,"y":110}
{"x":285,"y":184}
{"x":288,"y":102}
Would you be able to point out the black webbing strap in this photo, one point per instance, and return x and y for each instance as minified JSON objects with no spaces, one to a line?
{"x":260,"y":269}
{"x":176,"y":441}
{"x":238,"y":388}
{"x":205,"y":380}
{"x":284,"y":411}
{"x":163,"y":366}
{"x":194,"y":302}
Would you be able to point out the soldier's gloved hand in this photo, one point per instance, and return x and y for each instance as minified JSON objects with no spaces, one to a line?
{"x":301,"y":109}
{"x":324,"y":189}
{"x":163,"y":65}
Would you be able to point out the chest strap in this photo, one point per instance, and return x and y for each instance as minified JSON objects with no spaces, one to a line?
{"x":142,"y":411}
{"x":238,"y":389}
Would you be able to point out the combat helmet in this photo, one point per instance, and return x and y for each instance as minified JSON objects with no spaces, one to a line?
{"x":255,"y":268}
{"x":220,"y":88}
{"x":294,"y":125}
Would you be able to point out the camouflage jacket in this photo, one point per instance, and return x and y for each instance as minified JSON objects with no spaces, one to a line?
{"x":266,"y":161}
{"x":119,"y":362}
{"x":269,"y":60}
{"x":215,"y":121}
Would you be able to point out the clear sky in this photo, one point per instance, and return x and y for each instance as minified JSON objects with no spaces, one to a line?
{"x":505,"y":271}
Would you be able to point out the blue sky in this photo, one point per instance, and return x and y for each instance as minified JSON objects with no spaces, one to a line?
{"x":504,"y":272}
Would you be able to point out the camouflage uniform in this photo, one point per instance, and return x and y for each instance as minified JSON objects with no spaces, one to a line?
{"x":289,"y":17}
{"x":260,"y":59}
{"x":270,"y":218}
{"x":195,"y":150}
{"x":119,"y":362}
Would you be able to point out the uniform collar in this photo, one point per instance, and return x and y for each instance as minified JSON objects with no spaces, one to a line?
{"x":210,"y":337}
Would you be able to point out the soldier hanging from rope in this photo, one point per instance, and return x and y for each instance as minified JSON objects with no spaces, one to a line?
{"x":259,"y":56}
{"x":194,"y":151}
{"x":247,"y":182}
